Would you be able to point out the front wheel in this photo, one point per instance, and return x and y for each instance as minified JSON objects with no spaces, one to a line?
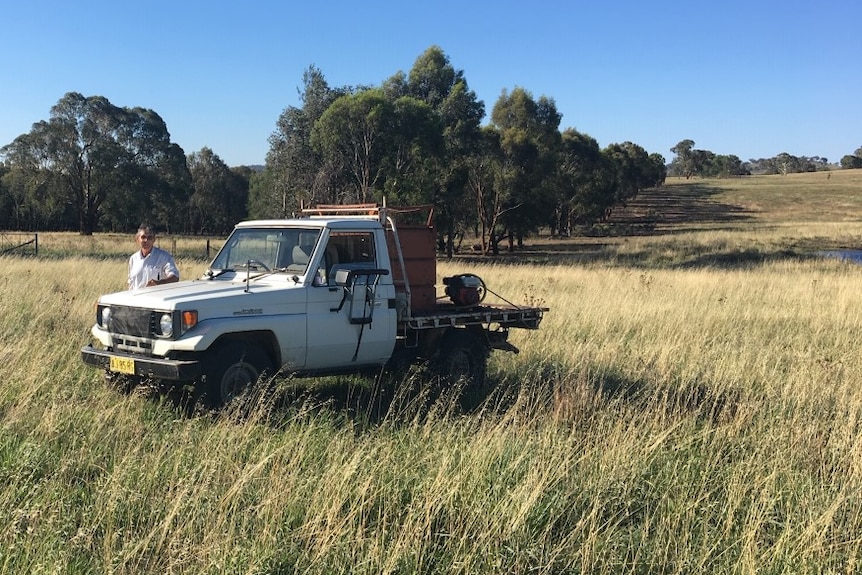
{"x":230,"y":370}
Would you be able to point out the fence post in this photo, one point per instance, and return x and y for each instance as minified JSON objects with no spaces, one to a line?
{"x":36,"y":243}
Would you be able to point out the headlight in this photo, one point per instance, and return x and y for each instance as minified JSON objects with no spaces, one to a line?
{"x":103,"y":317}
{"x":166,"y":325}
{"x":177,"y":323}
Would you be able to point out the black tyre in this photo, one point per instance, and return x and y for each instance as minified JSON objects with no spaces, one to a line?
{"x":230,"y":370}
{"x":398,"y":366}
{"x":462,"y":357}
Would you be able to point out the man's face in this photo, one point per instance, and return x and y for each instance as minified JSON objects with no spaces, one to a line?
{"x":145,"y":239}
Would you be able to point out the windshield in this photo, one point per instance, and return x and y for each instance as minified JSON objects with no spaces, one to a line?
{"x":267,"y":249}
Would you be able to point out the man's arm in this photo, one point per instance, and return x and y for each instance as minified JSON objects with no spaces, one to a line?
{"x":163,"y":280}
{"x":171,"y":270}
{"x":168,"y":274}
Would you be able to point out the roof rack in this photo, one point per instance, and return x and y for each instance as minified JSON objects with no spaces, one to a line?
{"x":375,"y":210}
{"x":342,"y":210}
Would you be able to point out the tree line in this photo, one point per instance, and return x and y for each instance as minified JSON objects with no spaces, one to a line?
{"x":690,"y":161}
{"x":417,"y":138}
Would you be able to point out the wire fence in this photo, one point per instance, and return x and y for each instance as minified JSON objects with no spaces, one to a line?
{"x":19,"y":243}
{"x":201,"y":248}
{"x":101,"y":245}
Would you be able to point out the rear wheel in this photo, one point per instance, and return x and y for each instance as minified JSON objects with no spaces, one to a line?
{"x":462,"y":357}
{"x":230,"y":370}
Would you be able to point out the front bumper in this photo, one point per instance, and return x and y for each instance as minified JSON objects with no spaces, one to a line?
{"x":169,"y":369}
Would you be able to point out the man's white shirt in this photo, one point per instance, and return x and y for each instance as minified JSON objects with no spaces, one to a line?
{"x":157,"y":265}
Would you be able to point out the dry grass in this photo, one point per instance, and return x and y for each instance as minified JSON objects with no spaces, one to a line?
{"x":111,"y":246}
{"x":684,"y":408}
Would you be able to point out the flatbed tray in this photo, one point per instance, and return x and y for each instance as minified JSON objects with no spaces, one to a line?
{"x":448,"y":314}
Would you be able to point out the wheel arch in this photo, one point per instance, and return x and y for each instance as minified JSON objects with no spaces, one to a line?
{"x":264,"y":340}
{"x":432,"y":339}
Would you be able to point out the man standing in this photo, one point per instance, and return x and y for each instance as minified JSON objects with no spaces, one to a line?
{"x":150,"y":266}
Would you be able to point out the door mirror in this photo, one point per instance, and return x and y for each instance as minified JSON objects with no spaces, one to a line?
{"x":344,"y":277}
{"x":359,"y":287}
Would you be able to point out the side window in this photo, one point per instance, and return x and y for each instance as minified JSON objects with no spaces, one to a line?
{"x":347,"y":250}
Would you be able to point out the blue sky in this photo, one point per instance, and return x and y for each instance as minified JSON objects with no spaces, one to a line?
{"x":750,"y":78}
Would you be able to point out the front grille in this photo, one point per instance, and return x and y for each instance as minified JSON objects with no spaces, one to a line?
{"x":137,"y":345}
{"x":133,"y":329}
{"x":132,"y":321}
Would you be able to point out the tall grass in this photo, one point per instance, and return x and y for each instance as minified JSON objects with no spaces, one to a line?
{"x":666,"y":418}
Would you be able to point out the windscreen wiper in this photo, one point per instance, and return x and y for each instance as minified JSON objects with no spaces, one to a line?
{"x":212,"y":274}
{"x":268,"y":273}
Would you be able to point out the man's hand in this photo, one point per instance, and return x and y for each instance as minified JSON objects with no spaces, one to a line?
{"x":167,"y":280}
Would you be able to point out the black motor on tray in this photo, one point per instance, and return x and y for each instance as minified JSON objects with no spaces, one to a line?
{"x":464,"y":289}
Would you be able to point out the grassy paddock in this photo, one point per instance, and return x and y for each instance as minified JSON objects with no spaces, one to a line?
{"x":687,"y":406}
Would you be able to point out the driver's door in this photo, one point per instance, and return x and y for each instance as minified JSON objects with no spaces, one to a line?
{"x":350,"y":325}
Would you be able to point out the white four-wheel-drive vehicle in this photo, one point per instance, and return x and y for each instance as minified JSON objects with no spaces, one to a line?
{"x":341,"y":289}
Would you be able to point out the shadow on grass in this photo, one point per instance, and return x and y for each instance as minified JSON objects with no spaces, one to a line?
{"x":550,"y":391}
{"x":689,"y":203}
{"x":555,"y":390}
{"x":653,"y":259}
{"x":729,"y":260}
{"x":355,"y":400}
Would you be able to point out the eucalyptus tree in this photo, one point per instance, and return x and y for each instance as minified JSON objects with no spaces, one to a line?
{"x":97,"y":158}
{"x":33,"y":193}
{"x":586,"y":182}
{"x":684,"y":164}
{"x":485,"y":183}
{"x":412,"y":155}
{"x":161,"y":171}
{"x":458,"y":113}
{"x":787,"y":164}
{"x":722,"y":166}
{"x":294,"y":173}
{"x":849,"y":162}
{"x":529,"y":140}
{"x":634,"y":170}
{"x":378,"y":146}
{"x":8,"y":213}
{"x":353,"y":135}
{"x":220,"y":194}
{"x":658,"y":169}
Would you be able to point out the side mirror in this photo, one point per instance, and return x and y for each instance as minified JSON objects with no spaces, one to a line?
{"x":347,"y":277}
{"x":343,"y":277}
{"x":361,"y":300}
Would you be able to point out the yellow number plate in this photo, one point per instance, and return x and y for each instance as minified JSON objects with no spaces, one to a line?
{"x":123,"y":365}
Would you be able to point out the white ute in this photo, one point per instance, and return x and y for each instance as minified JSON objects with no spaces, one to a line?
{"x":339,"y":290}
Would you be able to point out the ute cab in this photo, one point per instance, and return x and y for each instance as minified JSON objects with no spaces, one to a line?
{"x":306,"y":296}
{"x":336,"y":275}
